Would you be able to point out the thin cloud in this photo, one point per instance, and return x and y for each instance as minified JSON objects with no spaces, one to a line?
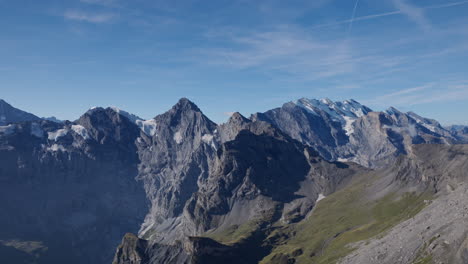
{"x":88,"y":17}
{"x":424,"y":94}
{"x":414,"y":13}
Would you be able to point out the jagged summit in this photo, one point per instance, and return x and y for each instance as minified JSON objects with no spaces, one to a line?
{"x":392,"y":111}
{"x":147,"y":126}
{"x":186,"y":104}
{"x":337,"y":110}
{"x":237,"y":117}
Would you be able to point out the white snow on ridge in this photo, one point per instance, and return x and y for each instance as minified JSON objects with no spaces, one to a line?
{"x":57,"y":134}
{"x":178,"y":137}
{"x":7,"y":130}
{"x":348,"y":127}
{"x":80,"y":130}
{"x":423,"y":121}
{"x":36,"y":130}
{"x":131,"y":117}
{"x":148,"y":126}
{"x":345,"y":112}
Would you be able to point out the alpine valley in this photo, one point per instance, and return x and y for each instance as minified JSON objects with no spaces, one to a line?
{"x":313,"y":181}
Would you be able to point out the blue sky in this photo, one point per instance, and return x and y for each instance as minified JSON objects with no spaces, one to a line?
{"x":61,"y":57}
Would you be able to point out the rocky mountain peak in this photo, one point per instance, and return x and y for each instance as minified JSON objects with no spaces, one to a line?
{"x":238,"y":118}
{"x":108,"y":124}
{"x":393,"y":111}
{"x":185,"y":104}
{"x":9,"y":114}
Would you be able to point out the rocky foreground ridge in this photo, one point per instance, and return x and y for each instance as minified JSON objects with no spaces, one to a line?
{"x":313,"y":181}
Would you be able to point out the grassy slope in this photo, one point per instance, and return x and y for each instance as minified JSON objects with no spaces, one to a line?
{"x":344,"y":218}
{"x":337,"y":222}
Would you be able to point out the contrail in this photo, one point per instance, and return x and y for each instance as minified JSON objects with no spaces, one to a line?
{"x":396,"y":12}
{"x":447,"y":5}
{"x":353,"y":16}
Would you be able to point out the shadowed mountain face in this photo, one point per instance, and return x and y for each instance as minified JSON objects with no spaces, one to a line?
{"x":269,"y":189}
{"x":70,"y":187}
{"x":9,"y":114}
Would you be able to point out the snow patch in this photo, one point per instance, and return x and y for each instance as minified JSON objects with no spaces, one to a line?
{"x":178,"y":137}
{"x":209,"y":139}
{"x":56,"y":147}
{"x":57,"y":134}
{"x":81,"y":130}
{"x":342,"y":160}
{"x":130,"y":117}
{"x":147,"y":126}
{"x":320,"y":197}
{"x":423,"y":122}
{"x":36,"y":130}
{"x":348,"y":127}
{"x":345,"y":112}
{"x":7,"y":130}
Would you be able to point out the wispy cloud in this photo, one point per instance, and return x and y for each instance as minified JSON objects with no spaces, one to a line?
{"x":296,"y":54}
{"x":82,"y":16}
{"x":284,"y":51}
{"x":424,"y":94}
{"x":414,"y":13}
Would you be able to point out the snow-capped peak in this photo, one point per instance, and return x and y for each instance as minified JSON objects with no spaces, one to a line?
{"x":345,"y":112}
{"x":337,"y":110}
{"x":147,"y":126}
{"x":130,"y":117}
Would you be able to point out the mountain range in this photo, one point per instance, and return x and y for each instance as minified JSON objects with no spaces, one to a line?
{"x":312,"y":181}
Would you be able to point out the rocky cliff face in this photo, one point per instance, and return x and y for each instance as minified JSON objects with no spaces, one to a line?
{"x":241,"y":179}
{"x":173,"y":161}
{"x":71,"y":186}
